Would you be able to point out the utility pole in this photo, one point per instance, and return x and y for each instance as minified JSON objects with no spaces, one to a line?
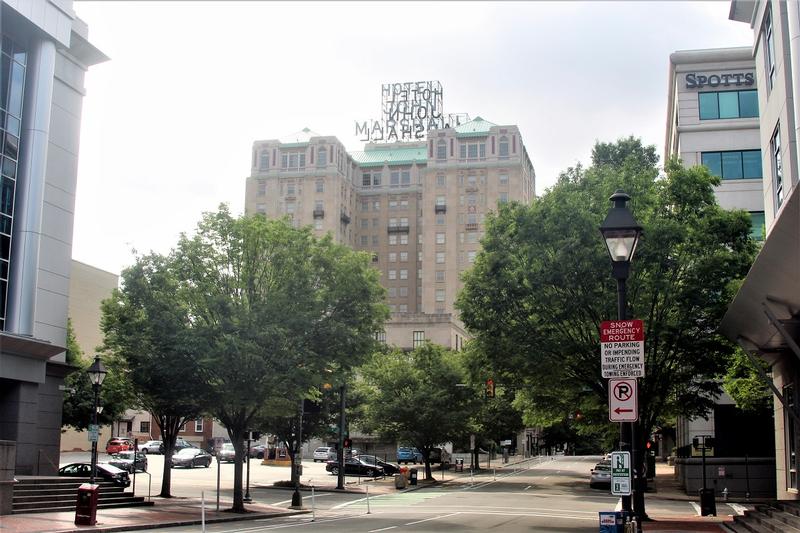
{"x":340,"y":453}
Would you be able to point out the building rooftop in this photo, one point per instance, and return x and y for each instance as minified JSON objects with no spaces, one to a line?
{"x":474,"y":128}
{"x":392,"y":155}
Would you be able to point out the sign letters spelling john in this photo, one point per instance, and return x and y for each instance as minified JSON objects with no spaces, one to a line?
{"x":622,"y":348}
{"x":409,"y":111}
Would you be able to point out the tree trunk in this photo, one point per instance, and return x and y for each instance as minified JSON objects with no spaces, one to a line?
{"x":237,"y":437}
{"x":169,"y":425}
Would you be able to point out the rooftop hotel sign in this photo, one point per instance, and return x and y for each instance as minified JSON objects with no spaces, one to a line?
{"x":622,"y":348}
{"x":409,"y":111}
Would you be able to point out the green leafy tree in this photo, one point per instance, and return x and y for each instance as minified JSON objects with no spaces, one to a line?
{"x":745,"y":385}
{"x":79,"y":395}
{"x":541,"y":286}
{"x":414,"y":398}
{"x":149,"y":339}
{"x":275,"y":310}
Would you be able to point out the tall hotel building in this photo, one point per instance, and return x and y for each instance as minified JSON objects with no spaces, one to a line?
{"x":417,"y":207}
{"x":45,"y":54}
{"x":764,"y":317}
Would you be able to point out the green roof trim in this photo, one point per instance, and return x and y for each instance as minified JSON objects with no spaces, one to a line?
{"x":294,"y":145}
{"x":474,"y":128}
{"x":390,"y":156}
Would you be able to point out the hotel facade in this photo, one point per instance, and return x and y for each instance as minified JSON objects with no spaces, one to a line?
{"x":45,"y":54}
{"x":764,"y":317}
{"x":418,"y":207}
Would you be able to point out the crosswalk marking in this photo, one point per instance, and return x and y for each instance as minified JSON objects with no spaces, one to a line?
{"x":738,"y":509}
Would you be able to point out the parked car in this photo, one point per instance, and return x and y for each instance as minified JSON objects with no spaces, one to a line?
{"x":151,"y":446}
{"x":130,"y":461}
{"x":258,"y":451}
{"x":104,"y":471}
{"x":353,"y":466}
{"x":439,"y":455}
{"x":180,"y":444}
{"x":226,"y":454}
{"x":600,"y":475}
{"x":389,"y":469}
{"x":191,"y":457}
{"x":324,"y":453}
{"x":408,"y":455}
{"x":118,"y":444}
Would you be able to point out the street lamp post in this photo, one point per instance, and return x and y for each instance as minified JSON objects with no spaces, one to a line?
{"x":97,"y":373}
{"x":621,"y":233}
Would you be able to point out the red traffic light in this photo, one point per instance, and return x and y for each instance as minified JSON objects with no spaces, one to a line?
{"x":348,"y":443}
{"x":490,"y":388}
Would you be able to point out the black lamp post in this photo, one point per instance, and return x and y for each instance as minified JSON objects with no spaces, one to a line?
{"x":97,"y":373}
{"x":621,"y":233}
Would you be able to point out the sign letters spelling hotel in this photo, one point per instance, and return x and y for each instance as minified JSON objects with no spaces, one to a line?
{"x":409,"y":110}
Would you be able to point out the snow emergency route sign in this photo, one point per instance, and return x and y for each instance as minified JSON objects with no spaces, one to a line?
{"x":622,"y":348}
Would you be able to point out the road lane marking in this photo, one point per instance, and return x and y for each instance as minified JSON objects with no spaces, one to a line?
{"x":738,"y":509}
{"x":431,"y":518}
{"x":381,"y":529}
{"x":304,"y":497}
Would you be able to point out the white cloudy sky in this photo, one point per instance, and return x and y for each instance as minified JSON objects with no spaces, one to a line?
{"x":169,"y":121}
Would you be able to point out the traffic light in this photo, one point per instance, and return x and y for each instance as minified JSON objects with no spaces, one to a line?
{"x":490,"y":388}
{"x":709,"y":443}
{"x":696,"y":443}
{"x":348,"y":443}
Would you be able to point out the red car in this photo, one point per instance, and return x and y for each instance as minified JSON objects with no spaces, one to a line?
{"x":118,"y":444}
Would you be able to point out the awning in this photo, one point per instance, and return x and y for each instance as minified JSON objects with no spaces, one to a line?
{"x":30,"y":347}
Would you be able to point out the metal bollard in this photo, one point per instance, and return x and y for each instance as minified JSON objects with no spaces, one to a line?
{"x":313,"y":508}
{"x":725,"y":494}
{"x":368,"y":511}
{"x":202,"y":510}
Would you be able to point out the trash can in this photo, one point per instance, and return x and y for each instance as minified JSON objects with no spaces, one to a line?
{"x":459,"y":465}
{"x":614,"y":521}
{"x":399,"y":481}
{"x":413,"y":477}
{"x":708,"y":505}
{"x":86,"y":506}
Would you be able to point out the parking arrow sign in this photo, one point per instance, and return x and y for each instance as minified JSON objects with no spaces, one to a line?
{"x":623,"y":405}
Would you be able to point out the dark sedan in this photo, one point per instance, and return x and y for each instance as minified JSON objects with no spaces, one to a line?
{"x":191,"y":457}
{"x":353,"y":466}
{"x":389,"y":469}
{"x":130,"y":461}
{"x":105,"y":472}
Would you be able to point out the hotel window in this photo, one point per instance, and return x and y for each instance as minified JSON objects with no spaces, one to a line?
{"x":439,"y":295}
{"x":375,"y":240}
{"x":503,"y":147}
{"x":440,"y":257}
{"x":471,"y":256}
{"x":503,"y":198}
{"x":392,"y":308}
{"x":419,"y":256}
{"x":198,"y":425}
{"x":440,"y":275}
{"x":440,"y":238}
{"x":322,"y":157}
{"x":392,"y":222}
{"x":381,"y":337}
{"x":392,"y":291}
{"x":376,"y":205}
{"x":293,"y":161}
{"x":392,"y":240}
{"x":263,"y":161}
{"x":472,"y":237}
{"x":364,"y":223}
{"x":320,"y":186}
{"x":403,"y":273}
{"x":364,"y":240}
{"x":503,"y":179}
{"x":364,"y":205}
{"x":472,"y":150}
{"x":392,"y":257}
{"x":403,"y":308}
{"x":441,"y":149}
{"x":777,"y":165}
{"x":376,"y":179}
{"x":393,"y":274}
{"x":404,"y":222}
{"x":400,"y":178}
{"x":440,"y":200}
{"x":734,"y":165}
{"x":404,"y":238}
{"x":728,"y":104}
{"x":769,"y":42}
{"x":144,"y":426}
{"x":318,"y":223}
{"x":440,"y":220}
{"x":441,"y":180}
{"x":757,"y":225}
{"x":290,"y":207}
{"x":418,"y":339}
{"x":404,"y":257}
{"x":366,"y":180}
{"x":290,"y":189}
{"x":261,"y":209}
{"x":472,"y":181}
{"x":472,"y":218}
{"x":262,"y":188}
{"x":375,"y":222}
{"x":403,"y":292}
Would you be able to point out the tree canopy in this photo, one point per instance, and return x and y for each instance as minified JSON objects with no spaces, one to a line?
{"x":541,"y":286}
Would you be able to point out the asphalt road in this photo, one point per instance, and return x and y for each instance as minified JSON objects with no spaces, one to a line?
{"x":552,"y":496}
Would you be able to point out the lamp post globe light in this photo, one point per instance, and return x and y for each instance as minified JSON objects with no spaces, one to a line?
{"x":97,"y":373}
{"x":621,"y":234}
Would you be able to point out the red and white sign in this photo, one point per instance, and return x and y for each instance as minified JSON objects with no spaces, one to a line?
{"x":622,"y":348}
{"x":623,"y":404}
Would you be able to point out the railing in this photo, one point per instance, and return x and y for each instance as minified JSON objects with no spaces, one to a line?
{"x":472,"y":226}
{"x":319,"y":213}
{"x":440,"y":208}
{"x":471,"y":188}
{"x":398,"y":229}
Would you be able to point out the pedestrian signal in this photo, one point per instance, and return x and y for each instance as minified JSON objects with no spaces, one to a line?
{"x":490,"y":388}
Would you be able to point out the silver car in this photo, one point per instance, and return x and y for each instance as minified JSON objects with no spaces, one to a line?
{"x":600,"y":475}
{"x":324,"y":453}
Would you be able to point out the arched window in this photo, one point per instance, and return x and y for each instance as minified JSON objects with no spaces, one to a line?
{"x":503,"y":152}
{"x":263,"y":162}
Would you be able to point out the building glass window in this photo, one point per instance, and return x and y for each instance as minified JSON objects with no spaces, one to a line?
{"x":403,"y":308}
{"x":440,"y":220}
{"x":144,"y":426}
{"x":441,"y":150}
{"x":263,"y":160}
{"x":404,"y":238}
{"x":366,"y":179}
{"x":392,"y":292}
{"x":418,"y":339}
{"x":381,"y":337}
{"x":503,"y":197}
{"x":441,"y":180}
{"x":440,"y":257}
{"x":471,"y":256}
{"x":403,"y":292}
{"x":320,"y":185}
{"x":439,"y":295}
{"x":262,"y":188}
{"x":440,"y":275}
{"x":503,"y":147}
{"x":318,"y":223}
{"x":769,"y":41}
{"x":322,"y":157}
{"x":728,"y":104}
{"x":393,"y":274}
{"x":403,"y":273}
{"x":293,"y":161}
{"x":758,"y":225}
{"x":777,"y":165}
{"x":404,"y":257}
{"x":198,"y":425}
{"x":744,"y":164}
{"x":440,"y":238}
{"x":364,"y":240}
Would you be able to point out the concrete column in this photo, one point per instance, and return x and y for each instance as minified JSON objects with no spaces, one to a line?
{"x":793,"y":30}
{"x":30,"y":188}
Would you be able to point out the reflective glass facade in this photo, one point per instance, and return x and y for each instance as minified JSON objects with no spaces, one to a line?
{"x":729,"y":104}
{"x":12,"y":83}
{"x":734,"y":165}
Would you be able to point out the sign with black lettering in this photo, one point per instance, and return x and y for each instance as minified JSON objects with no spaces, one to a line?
{"x":622,"y":348}
{"x":698,"y":81}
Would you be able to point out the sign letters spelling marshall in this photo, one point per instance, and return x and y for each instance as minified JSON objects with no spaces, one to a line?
{"x":410,"y":110}
{"x":622,"y":348}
